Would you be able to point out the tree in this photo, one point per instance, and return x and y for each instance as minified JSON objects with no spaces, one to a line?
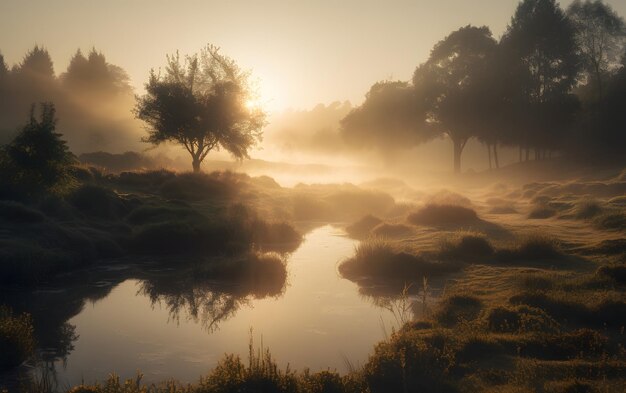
{"x":542,"y":38}
{"x":37,"y":62}
{"x":389,"y":118}
{"x":201,"y":104}
{"x":94,"y":75}
{"x":451,"y":83}
{"x":600,"y":35}
{"x":37,"y":159}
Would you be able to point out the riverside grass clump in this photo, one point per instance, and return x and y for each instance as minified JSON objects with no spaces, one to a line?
{"x":379,"y":260}
{"x":17,"y":342}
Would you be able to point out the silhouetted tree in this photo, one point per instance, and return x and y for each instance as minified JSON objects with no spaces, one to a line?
{"x":389,"y":118}
{"x":600,"y":35}
{"x":202,"y":104}
{"x":94,"y":75}
{"x":452,"y":84}
{"x":37,"y":62}
{"x":4,"y":70}
{"x":37,"y":159}
{"x":542,"y":37}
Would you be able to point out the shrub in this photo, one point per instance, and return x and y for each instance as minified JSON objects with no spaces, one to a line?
{"x":16,"y":338}
{"x":96,"y":201}
{"x":410,"y":361}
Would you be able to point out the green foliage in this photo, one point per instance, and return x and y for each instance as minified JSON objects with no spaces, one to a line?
{"x":201,"y":104}
{"x":37,"y":160}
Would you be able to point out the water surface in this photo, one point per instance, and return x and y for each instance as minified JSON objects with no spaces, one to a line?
{"x":319,"y":321}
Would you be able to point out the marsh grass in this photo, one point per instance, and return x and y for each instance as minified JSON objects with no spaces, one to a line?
{"x":361,"y":228}
{"x":17,"y":342}
{"x":443,"y":215}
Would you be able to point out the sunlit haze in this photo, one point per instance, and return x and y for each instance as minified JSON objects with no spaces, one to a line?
{"x":301,"y":52}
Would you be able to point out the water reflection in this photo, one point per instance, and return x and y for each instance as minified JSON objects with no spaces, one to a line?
{"x":204,"y":291}
{"x":209,"y":295}
{"x":120,"y":313}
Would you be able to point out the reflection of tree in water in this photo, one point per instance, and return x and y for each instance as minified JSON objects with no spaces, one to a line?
{"x":212,"y":292}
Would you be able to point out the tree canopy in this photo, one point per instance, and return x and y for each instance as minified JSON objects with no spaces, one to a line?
{"x":389,"y":117}
{"x":600,"y":34}
{"x":451,"y":83}
{"x":201,"y":103}
{"x":37,"y":159}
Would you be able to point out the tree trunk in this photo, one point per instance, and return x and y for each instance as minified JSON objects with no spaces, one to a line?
{"x":495,"y":155}
{"x":527,"y":153}
{"x":458,"y":149}
{"x":195,"y":163}
{"x":489,"y":154}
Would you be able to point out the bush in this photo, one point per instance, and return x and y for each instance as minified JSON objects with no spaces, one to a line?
{"x":16,"y":338}
{"x":96,"y":201}
{"x":442,"y":215}
{"x":410,"y":361}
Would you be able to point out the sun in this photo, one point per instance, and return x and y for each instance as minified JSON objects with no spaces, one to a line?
{"x":264,"y":96}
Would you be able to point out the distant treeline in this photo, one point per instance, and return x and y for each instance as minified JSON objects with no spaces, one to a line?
{"x":554,"y":82}
{"x":93,"y":98}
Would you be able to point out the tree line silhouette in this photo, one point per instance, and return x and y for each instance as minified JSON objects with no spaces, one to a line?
{"x":93,"y":98}
{"x":554,"y":82}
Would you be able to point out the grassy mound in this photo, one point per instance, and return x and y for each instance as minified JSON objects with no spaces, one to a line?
{"x":611,"y":221}
{"x":531,"y":249}
{"x":541,"y":212}
{"x":391,"y":230}
{"x":519,"y":319}
{"x":455,"y":309}
{"x":378,"y":260}
{"x":361,"y":228}
{"x":467,"y":247}
{"x":443,"y":215}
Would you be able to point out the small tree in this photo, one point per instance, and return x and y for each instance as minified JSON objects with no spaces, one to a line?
{"x":37,"y":159}
{"x":201,"y":103}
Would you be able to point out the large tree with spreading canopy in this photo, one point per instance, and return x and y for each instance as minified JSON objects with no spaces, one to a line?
{"x":201,"y":103}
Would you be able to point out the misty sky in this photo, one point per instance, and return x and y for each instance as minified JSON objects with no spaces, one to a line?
{"x":302,"y":52}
